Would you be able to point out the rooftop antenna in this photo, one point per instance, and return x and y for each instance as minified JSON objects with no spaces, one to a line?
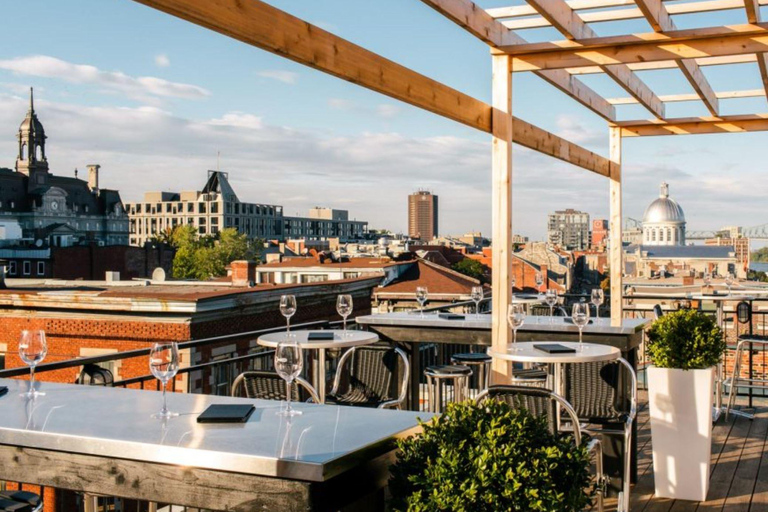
{"x":31,"y":99}
{"x":218,"y":159}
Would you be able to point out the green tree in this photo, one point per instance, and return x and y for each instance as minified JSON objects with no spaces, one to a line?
{"x":208,"y":256}
{"x":760,"y":255}
{"x":471,"y":268}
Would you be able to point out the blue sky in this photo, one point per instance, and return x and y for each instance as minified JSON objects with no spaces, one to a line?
{"x":152,"y":99}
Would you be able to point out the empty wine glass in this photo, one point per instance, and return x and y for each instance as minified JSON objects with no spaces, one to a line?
{"x":707,"y":279}
{"x":551,"y":298}
{"x":289,"y":360}
{"x":164,"y":363}
{"x":580,"y":316}
{"x":344,"y":308}
{"x":288,"y":309}
{"x":421,"y":297}
{"x":516,"y":318}
{"x":512,"y":283}
{"x":539,"y":281}
{"x":597,"y":299}
{"x":729,"y":281}
{"x":477,"y":296}
{"x":32,"y":350}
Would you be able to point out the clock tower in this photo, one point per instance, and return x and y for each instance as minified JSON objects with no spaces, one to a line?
{"x":32,"y":160}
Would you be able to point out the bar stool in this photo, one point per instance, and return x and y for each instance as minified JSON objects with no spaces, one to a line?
{"x":20,"y":501}
{"x":438,"y":378}
{"x":480,"y":364}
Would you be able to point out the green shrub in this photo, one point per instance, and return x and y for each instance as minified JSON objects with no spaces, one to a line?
{"x":489,"y":457}
{"x":685,"y":339}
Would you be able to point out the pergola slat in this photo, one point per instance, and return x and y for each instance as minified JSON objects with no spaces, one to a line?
{"x":568,"y":22}
{"x":648,"y":47}
{"x":695,"y":125}
{"x":476,"y":21}
{"x":670,"y":64}
{"x":762,"y":63}
{"x":753,"y":10}
{"x":675,"y":98}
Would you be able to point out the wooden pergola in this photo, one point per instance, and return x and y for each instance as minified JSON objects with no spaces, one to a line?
{"x":559,"y":63}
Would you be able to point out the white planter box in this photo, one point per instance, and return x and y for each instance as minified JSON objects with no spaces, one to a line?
{"x":681,"y":431}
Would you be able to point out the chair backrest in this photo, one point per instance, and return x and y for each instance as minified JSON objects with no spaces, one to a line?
{"x":267,"y":385}
{"x":537,"y":401}
{"x":95,"y":375}
{"x":657,"y":311}
{"x":379,"y":372}
{"x":594,"y":390}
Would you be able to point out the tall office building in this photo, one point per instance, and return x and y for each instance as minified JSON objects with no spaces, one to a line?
{"x":568,"y":229}
{"x":422,"y":215}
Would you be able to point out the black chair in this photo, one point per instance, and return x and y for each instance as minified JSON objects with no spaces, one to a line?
{"x":371,"y":376}
{"x":20,"y":501}
{"x":95,"y":375}
{"x":596,"y":392}
{"x":266,"y":385}
{"x":545,"y":403}
{"x":657,"y":311}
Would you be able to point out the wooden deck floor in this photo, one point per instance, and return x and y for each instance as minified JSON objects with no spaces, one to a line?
{"x":739,"y":479}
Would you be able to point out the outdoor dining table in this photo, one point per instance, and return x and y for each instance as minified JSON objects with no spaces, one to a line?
{"x":103,"y":440}
{"x":341,"y":339}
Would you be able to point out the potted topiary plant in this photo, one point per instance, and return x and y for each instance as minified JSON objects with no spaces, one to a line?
{"x":489,"y":457}
{"x":684,"y":347}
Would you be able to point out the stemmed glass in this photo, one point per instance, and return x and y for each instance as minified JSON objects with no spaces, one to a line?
{"x":551,"y":299}
{"x":539,"y":282}
{"x":597,"y":299}
{"x":477,"y":296}
{"x":32,"y":350}
{"x":421,"y":297}
{"x":288,"y":309}
{"x":289,"y":360}
{"x":580,"y":316}
{"x":516,"y":318}
{"x":729,"y":282}
{"x":512,"y":283}
{"x":344,"y":308}
{"x":164,"y":363}
{"x":707,"y":279}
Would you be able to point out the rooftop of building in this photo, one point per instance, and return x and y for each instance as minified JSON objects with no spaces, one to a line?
{"x":439,"y":280}
{"x":685,"y":251}
{"x":309,"y":262}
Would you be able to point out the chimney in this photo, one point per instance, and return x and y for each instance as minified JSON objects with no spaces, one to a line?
{"x":93,"y":177}
{"x":243,"y":273}
{"x":545,"y":274}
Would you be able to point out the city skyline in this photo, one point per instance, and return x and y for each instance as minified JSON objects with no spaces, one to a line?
{"x":159,"y":113}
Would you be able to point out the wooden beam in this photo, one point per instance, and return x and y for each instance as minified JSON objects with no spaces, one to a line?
{"x":695,"y":125}
{"x":518,"y":11}
{"x":753,"y":10}
{"x":501,"y":250}
{"x":261,"y":25}
{"x":616,"y":255}
{"x":568,"y":22}
{"x":670,"y":64}
{"x":476,"y":21}
{"x":762,"y":63}
{"x":676,"y":98}
{"x":656,"y":15}
{"x":649,"y":47}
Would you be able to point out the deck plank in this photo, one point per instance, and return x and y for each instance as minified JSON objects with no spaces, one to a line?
{"x":743,"y":485}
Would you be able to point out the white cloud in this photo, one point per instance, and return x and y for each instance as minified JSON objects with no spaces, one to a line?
{"x":238,"y":120}
{"x":576,"y":130}
{"x":140,"y":88}
{"x":387,"y":110}
{"x":341,"y":104}
{"x":286,"y":77}
{"x":162,"y":61}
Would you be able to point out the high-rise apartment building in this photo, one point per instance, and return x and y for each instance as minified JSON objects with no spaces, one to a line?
{"x":568,"y":229}
{"x":422,"y":215}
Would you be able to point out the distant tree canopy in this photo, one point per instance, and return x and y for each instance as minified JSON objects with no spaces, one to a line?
{"x":753,"y":275}
{"x":471,"y":268}
{"x":208,"y":256}
{"x":760,"y":255}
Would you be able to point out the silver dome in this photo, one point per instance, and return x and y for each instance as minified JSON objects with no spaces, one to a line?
{"x":664,"y":209}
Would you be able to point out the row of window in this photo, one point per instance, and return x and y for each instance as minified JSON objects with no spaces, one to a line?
{"x":202,"y":207}
{"x":26,"y":268}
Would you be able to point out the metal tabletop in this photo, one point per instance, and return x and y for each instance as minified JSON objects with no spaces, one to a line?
{"x":115,"y":423}
{"x":526,"y":352}
{"x":341,"y":339}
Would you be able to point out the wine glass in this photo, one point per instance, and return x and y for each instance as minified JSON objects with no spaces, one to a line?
{"x":729,"y":281}
{"x":421,"y":297}
{"x":288,"y":309}
{"x":344,"y":308}
{"x":597,"y":299}
{"x":477,"y":296}
{"x":32,"y":350}
{"x":164,"y":363}
{"x":580,"y":316}
{"x":539,"y":282}
{"x":516,"y":318}
{"x":707,"y":279}
{"x":551,"y":298}
{"x":289,"y":360}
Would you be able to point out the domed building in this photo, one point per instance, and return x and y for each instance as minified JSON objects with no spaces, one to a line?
{"x":664,"y":221}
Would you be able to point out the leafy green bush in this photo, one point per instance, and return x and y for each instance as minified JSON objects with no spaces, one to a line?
{"x":685,"y":339}
{"x":489,"y":457}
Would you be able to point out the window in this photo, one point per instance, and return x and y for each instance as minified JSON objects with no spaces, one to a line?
{"x":12,"y":268}
{"x":201,"y":208}
{"x":201,"y":221}
{"x":215,"y":221}
{"x":27,"y":268}
{"x":41,"y":268}
{"x":190,"y":207}
{"x":313,"y":278}
{"x":214,"y":207}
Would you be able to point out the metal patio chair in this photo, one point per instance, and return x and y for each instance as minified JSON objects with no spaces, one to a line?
{"x":744,"y":346}
{"x":546,"y":403}
{"x":371,"y":376}
{"x":268,"y":385}
{"x":20,"y":501}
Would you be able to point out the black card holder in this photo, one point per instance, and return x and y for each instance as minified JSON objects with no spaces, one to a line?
{"x":3,"y":390}
{"x":226,"y":413}
{"x":451,"y":316}
{"x":320,"y":335}
{"x":554,"y":348}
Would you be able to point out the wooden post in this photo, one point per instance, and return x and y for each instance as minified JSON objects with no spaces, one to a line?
{"x":616,"y":259}
{"x":502,"y":210}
